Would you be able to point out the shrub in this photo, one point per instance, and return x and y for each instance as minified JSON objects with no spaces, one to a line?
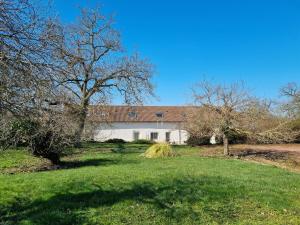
{"x":44,"y":138}
{"x":233,"y":137}
{"x":15,"y":132}
{"x":196,"y":141}
{"x":236,"y":138}
{"x":115,"y":141}
{"x":159,"y":151}
{"x":48,"y":144}
{"x":143,"y":141}
{"x":295,"y":126}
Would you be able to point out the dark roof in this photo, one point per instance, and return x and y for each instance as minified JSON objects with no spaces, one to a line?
{"x":137,"y":113}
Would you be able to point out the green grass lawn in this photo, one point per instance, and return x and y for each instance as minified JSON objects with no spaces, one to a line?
{"x":112,"y":184}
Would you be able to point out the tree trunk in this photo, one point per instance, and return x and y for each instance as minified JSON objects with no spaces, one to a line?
{"x":225,"y":144}
{"x":82,"y":114}
{"x":54,"y":158}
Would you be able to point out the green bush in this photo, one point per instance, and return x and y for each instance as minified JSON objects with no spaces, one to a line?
{"x":159,"y":151}
{"x":143,"y":141}
{"x":115,"y":141}
{"x":197,"y":141}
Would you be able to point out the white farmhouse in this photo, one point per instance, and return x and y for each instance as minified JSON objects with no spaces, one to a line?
{"x":156,"y":123}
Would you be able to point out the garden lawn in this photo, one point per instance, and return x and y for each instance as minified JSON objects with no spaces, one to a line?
{"x":113,"y":184}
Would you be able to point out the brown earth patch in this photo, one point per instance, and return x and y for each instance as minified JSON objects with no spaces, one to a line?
{"x":285,"y":155}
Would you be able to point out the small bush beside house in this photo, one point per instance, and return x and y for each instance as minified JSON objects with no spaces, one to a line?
{"x":143,"y":141}
{"x":115,"y":141}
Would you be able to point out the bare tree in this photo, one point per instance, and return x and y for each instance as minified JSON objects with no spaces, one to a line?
{"x":27,"y":92}
{"x":264,"y":123}
{"x":23,"y":57}
{"x":232,"y":108}
{"x":91,"y":64}
{"x":222,"y":105}
{"x":292,"y":92}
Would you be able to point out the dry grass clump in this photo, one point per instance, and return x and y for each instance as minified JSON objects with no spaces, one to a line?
{"x":159,"y":151}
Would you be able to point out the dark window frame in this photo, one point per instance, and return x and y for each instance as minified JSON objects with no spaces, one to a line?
{"x":159,"y":114}
{"x":153,"y":136}
{"x":168,"y":136}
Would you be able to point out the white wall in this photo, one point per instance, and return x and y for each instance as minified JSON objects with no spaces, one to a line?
{"x":125,"y":131}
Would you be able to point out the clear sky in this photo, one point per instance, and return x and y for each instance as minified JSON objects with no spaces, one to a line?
{"x":257,"y":41}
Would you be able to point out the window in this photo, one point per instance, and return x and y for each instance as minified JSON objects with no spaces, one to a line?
{"x":136,"y":135}
{"x":153,"y":136}
{"x":132,"y":114}
{"x":159,"y":114}
{"x":168,"y":135}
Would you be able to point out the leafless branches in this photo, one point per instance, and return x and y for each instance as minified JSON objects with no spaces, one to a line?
{"x":27,"y":93}
{"x":23,"y":73}
{"x":90,"y":63}
{"x":226,"y":108}
{"x":292,"y":92}
{"x":223,"y":106}
{"x":45,"y":65}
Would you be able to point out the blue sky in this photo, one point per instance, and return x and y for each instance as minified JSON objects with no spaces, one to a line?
{"x":257,"y":41}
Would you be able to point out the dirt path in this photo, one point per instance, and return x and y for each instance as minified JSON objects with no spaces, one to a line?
{"x":278,"y":148}
{"x":284,"y":155}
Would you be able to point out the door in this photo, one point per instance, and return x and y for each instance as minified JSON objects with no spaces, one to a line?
{"x":168,"y":135}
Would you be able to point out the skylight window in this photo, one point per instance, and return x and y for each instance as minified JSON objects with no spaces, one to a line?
{"x":132,"y":114}
{"x":159,"y":114}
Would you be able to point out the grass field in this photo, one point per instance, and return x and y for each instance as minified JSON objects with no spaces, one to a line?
{"x":113,"y":184}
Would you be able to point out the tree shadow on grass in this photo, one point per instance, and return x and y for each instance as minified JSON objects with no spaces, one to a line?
{"x":73,"y":164}
{"x":87,"y":162}
{"x":187,"y":199}
{"x":110,"y":148}
{"x":123,"y":149}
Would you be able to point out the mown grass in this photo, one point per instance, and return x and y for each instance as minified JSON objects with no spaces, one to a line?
{"x":17,"y":160}
{"x":112,"y":184}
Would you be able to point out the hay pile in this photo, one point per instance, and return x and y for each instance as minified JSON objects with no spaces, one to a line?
{"x":159,"y":151}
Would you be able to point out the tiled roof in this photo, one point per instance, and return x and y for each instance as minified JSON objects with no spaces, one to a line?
{"x":137,"y":113}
